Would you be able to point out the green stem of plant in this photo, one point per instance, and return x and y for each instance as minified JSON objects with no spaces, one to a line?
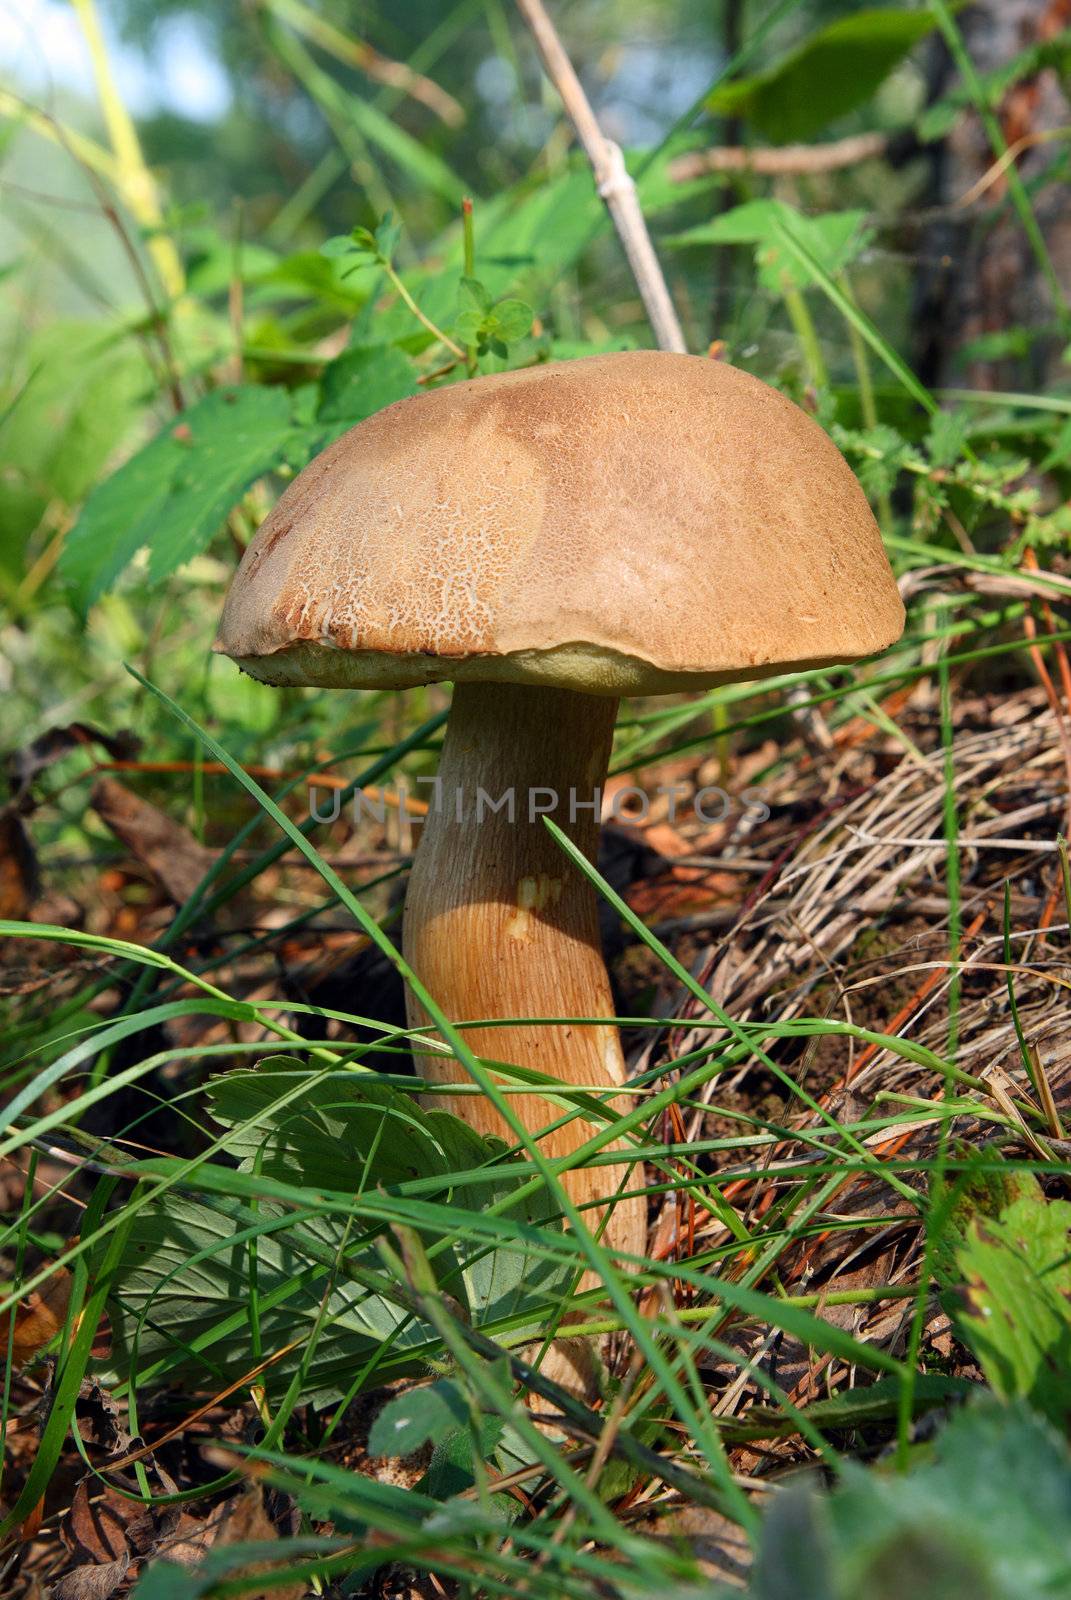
{"x":719,"y":716}
{"x":438,"y":333}
{"x":688,"y":1314}
{"x":805,"y":331}
{"x":867,"y":406}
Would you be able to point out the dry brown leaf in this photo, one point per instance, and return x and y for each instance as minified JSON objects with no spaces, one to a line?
{"x":185,"y":1540}
{"x":97,"y":1417}
{"x":38,"y":1319}
{"x":243,"y":1520}
{"x":92,"y":1581}
{"x":171,"y":853}
{"x":18,"y":869}
{"x":95,"y":1529}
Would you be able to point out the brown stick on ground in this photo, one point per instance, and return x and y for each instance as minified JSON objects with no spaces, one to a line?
{"x":499,"y":923}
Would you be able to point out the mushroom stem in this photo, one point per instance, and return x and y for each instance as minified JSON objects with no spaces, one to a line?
{"x":498,"y":923}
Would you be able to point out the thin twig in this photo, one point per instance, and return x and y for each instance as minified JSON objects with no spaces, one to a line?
{"x":999,"y":168}
{"x":612,"y":180}
{"x":357,"y":53}
{"x":783,"y":161}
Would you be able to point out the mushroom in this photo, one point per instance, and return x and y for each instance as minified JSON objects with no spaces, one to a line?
{"x":550,"y":540}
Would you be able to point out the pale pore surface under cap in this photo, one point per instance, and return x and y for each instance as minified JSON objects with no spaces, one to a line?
{"x":623,"y":524}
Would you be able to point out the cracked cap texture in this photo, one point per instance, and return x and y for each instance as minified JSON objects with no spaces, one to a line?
{"x":622,"y":524}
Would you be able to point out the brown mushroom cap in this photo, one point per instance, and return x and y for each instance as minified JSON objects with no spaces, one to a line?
{"x":623,"y":524}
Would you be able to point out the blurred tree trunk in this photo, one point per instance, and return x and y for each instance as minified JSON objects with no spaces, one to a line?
{"x":977,"y":272}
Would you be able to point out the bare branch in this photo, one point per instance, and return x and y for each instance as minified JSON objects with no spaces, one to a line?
{"x":613,"y":182}
{"x":782,"y":161}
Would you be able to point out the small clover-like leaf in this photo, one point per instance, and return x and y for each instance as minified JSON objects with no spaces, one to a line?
{"x":473,"y":296}
{"x":358,"y":247}
{"x":514,"y":319}
{"x":469,"y":326}
{"x":385,"y":239}
{"x":340,"y":245}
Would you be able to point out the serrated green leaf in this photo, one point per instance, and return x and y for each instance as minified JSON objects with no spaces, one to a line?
{"x":364,"y":380}
{"x":953,"y":1517}
{"x":76,"y":404}
{"x":451,"y":1470}
{"x":174,"y":494}
{"x":877,"y":477}
{"x":947,"y":437}
{"x":1012,"y":1304}
{"x":985,"y":1514}
{"x":834,"y":239}
{"x":831,"y":73}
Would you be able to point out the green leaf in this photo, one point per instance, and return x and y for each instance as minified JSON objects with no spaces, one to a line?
{"x":488,"y":326}
{"x":1001,"y":344}
{"x":469,"y":326}
{"x":411,"y":1419}
{"x":306,"y":274}
{"x":341,"y":244}
{"x":364,"y":380}
{"x":473,"y":296}
{"x":937,"y":120}
{"x":985,"y":1514}
{"x":1012,"y":1304}
{"x":215,"y":260}
{"x":865,"y":1407}
{"x":513,"y":320}
{"x":174,"y":494}
{"x":386,"y":236}
{"x":834,"y":239}
{"x":947,"y":436}
{"x":796,"y":1541}
{"x":183,"y":1304}
{"x":837,"y":69}
{"x":1059,"y":449}
{"x":452,"y":1470}
{"x":78,"y":401}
